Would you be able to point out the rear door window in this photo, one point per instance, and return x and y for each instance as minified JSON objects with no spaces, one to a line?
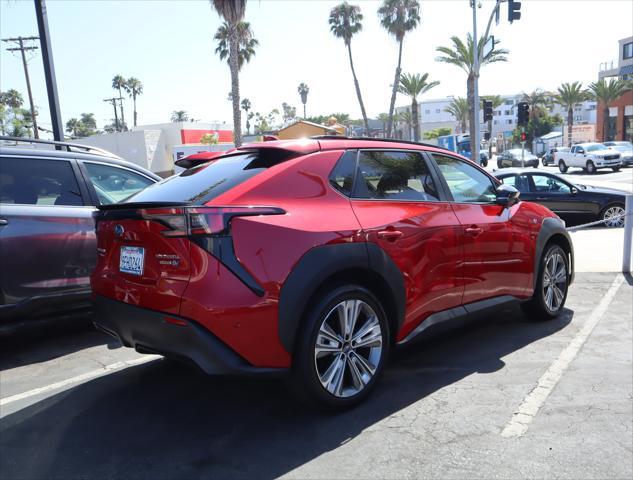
{"x":113,"y":184}
{"x":34,"y":181}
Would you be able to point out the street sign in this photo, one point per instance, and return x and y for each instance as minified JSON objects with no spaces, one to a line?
{"x":489,"y":46}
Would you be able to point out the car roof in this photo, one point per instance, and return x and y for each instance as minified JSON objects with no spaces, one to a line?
{"x":516,"y":171}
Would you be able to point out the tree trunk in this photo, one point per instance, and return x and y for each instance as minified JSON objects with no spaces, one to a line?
{"x":304,"y":110}
{"x":605,"y":123}
{"x":358,"y":94}
{"x":470,"y":95}
{"x":134,"y":101}
{"x":122,"y":116}
{"x":570,"y":123}
{"x":415,"y":119}
{"x":396,"y":82}
{"x":235,"y":86}
{"x":490,"y":141}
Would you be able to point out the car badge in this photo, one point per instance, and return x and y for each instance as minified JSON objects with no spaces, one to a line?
{"x":118,"y":230}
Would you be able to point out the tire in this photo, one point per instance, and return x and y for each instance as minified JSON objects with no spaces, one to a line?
{"x":591,"y":168}
{"x":484,"y":163}
{"x":612,"y":211}
{"x":499,"y":164}
{"x":562,"y":167}
{"x":314,"y":375}
{"x":615,"y":169}
{"x":549,"y":298}
{"x":535,"y":166}
{"x":544,"y":162}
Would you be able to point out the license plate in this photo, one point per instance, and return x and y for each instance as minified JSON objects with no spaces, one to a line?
{"x":131,"y":260}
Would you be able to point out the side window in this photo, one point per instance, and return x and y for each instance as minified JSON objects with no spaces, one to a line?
{"x":342,"y":177}
{"x":520,"y":182}
{"x":466,"y":182}
{"x":545,"y":183}
{"x":33,"y":181}
{"x":113,"y":184}
{"x":392,"y":175}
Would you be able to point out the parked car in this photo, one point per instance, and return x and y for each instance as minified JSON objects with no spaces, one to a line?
{"x":549,"y":158}
{"x":512,"y":158}
{"x":625,"y":149}
{"x":47,"y":238}
{"x":315,"y":257}
{"x":590,"y":157}
{"x":574,"y":203}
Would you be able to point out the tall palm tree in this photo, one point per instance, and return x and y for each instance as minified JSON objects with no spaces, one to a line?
{"x":119,"y":83}
{"x":134,"y":88}
{"x":604,"y":93}
{"x":567,"y":96}
{"x":537,"y":100}
{"x":414,"y":86}
{"x":246,"y":106}
{"x":303,"y":91}
{"x":406,"y":118}
{"x":384,"y":119}
{"x":232,"y":11}
{"x":459,"y":109}
{"x":345,"y":21}
{"x":12,"y":98}
{"x":462,"y":55}
{"x":398,"y":17}
{"x":246,"y":42}
{"x":179,"y":116}
{"x":73,"y":126}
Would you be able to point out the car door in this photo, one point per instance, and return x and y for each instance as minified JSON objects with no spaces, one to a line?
{"x":562,"y":198}
{"x":496,"y":241}
{"x":47,"y":233}
{"x":400,"y":208}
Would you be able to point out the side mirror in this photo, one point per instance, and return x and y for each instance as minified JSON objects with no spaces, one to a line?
{"x":574,"y":190}
{"x":507,"y":195}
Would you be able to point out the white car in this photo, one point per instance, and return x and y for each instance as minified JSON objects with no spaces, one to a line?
{"x":589,"y":157}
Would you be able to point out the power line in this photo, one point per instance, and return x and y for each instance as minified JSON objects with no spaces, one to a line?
{"x":22,"y":47}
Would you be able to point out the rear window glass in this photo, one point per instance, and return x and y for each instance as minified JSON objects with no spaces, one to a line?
{"x":202,"y":183}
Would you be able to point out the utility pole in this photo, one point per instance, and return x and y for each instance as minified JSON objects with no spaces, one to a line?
{"x":474,"y":154}
{"x":113,"y":101}
{"x":22,"y":48}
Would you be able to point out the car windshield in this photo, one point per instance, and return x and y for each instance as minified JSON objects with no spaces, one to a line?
{"x":595,"y":147}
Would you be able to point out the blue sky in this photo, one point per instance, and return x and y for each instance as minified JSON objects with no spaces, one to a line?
{"x":168,"y":45}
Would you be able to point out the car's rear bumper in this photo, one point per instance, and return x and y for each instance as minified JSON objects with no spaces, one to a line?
{"x":149,"y":331}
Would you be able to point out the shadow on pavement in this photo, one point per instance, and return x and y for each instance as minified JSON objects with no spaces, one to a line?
{"x":164,"y":420}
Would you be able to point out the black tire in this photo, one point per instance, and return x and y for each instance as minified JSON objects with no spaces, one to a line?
{"x":499,"y":164}
{"x":562,"y":167}
{"x":537,"y":307}
{"x":591,"y":168}
{"x":484,"y":163}
{"x":615,"y":169}
{"x":544,"y":162}
{"x":535,"y":166}
{"x":304,"y":376}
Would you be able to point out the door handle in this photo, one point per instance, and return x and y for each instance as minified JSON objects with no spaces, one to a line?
{"x":3,"y":222}
{"x":473,"y":231}
{"x":390,"y":235}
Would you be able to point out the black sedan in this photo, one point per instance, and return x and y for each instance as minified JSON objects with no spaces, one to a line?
{"x":512,"y":158}
{"x":576,"y":204}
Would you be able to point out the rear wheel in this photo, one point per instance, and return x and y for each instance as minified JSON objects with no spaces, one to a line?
{"x":562,"y":167}
{"x":591,"y":168}
{"x":342,"y":348}
{"x":615,"y":169}
{"x":499,"y":164}
{"x":551,"y":285}
{"x":613,"y":216}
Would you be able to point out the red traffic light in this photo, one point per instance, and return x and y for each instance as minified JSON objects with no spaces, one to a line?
{"x":523,"y":136}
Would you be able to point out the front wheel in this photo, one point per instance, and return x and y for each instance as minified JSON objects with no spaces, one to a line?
{"x":499,"y":164}
{"x":551,"y":286}
{"x":615,"y":169}
{"x":544,"y":162}
{"x":591,"y":168}
{"x":342,"y":348}
{"x":613,"y":216}
{"x":562,"y":167}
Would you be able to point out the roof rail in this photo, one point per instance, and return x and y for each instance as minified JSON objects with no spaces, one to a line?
{"x":372,"y":139}
{"x":66,"y":145}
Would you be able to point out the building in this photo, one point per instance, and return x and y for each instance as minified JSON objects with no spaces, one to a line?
{"x":620,"y":125}
{"x":304,"y":129}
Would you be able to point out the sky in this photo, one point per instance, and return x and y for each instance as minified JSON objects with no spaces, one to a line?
{"x":169,"y":46}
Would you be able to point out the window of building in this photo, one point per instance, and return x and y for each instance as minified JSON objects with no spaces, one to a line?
{"x":627,"y":50}
{"x":628,"y":128}
{"x":508,"y":112}
{"x":577,"y":118}
{"x":509,"y":121}
{"x":509,"y":102}
{"x":494,"y":122}
{"x":428,"y":110}
{"x":612,"y":129}
{"x":437,"y":110}
{"x":498,"y":113}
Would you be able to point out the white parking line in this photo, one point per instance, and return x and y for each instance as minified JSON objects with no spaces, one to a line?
{"x":78,"y":379}
{"x":521,"y":419}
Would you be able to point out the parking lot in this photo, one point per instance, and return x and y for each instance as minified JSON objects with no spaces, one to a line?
{"x":74,"y":404}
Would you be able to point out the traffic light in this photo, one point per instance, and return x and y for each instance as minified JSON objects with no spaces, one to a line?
{"x":487,"y":110}
{"x":486,"y":135}
{"x":523,"y":113}
{"x":514,"y":11}
{"x":523,"y":136}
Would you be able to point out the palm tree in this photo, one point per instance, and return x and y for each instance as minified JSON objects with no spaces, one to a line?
{"x":398,"y":17}
{"x":303,"y":90}
{"x":246,"y":42}
{"x":567,"y":96}
{"x":134,"y":88}
{"x":536,"y":100}
{"x":232,"y":11}
{"x":73,"y":126}
{"x":406,"y":118}
{"x":459,"y":109}
{"x":384,"y":119}
{"x":179,"y":116}
{"x":462,"y":55}
{"x":12,"y":98}
{"x":246,"y":106}
{"x":413,"y":86}
{"x":119,"y":83}
{"x":345,"y":21}
{"x":604,"y":93}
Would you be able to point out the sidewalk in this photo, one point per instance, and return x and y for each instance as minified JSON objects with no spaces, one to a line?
{"x":598,"y":249}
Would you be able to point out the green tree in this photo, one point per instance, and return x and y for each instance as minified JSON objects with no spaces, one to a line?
{"x":9,"y":102}
{"x":537,"y":100}
{"x":134,"y":88}
{"x":266,"y":123}
{"x":289,"y":112}
{"x":73,"y":126}
{"x":398,"y":17}
{"x":406,"y":118}
{"x":119,"y":83}
{"x":346,"y":21}
{"x":246,"y":42}
{"x":303,"y":91}
{"x":246,"y":106}
{"x":414,"y":86}
{"x":437,"y":132}
{"x":605,"y":93}
{"x":462,"y":55}
{"x":539,"y":125}
{"x":179,"y":116}
{"x":384,"y":119}
{"x":209,"y":139}
{"x":459,"y":109}
{"x":568,"y":95}
{"x":232,"y":11}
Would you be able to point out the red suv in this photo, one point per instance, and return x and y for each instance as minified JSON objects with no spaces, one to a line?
{"x":315,"y":257}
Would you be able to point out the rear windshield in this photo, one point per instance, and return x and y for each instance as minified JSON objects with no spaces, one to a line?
{"x":202,"y":183}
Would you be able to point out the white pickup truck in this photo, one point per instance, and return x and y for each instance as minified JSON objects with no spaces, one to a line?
{"x":589,"y":157}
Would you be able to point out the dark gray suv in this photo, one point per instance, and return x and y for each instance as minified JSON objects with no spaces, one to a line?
{"x":48,"y":192}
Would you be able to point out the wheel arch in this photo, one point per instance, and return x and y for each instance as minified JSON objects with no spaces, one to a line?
{"x":553,"y":231}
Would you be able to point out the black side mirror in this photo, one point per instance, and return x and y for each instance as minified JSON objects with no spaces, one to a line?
{"x":507,"y":195}
{"x":574,"y":190}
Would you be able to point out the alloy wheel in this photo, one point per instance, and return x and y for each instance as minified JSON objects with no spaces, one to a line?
{"x":554,"y":281}
{"x":348,"y":348}
{"x":614,"y":217}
